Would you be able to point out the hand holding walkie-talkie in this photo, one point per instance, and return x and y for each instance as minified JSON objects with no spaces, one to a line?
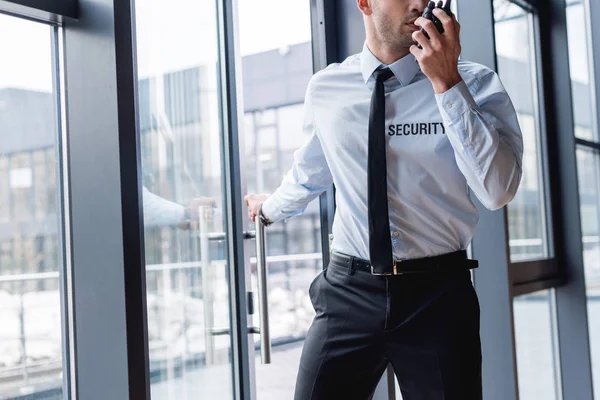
{"x":438,"y":52}
{"x":428,"y":14}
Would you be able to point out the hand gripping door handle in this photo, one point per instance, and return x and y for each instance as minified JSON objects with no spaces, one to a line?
{"x":263,"y":305}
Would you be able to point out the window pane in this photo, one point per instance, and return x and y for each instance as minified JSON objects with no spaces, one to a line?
{"x":515,"y":47}
{"x":535,"y":346}
{"x":187,"y":265}
{"x":276,"y":59}
{"x":578,"y":65}
{"x":5,"y":193}
{"x":588,"y":164}
{"x":588,"y":168}
{"x":31,"y":267}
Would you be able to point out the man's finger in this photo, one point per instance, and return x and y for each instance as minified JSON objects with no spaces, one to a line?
{"x":429,"y":27}
{"x":447,"y":22}
{"x":416,"y":52}
{"x":420,"y":38}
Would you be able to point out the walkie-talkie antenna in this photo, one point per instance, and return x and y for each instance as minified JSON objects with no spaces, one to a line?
{"x":428,"y":14}
{"x":448,"y":7}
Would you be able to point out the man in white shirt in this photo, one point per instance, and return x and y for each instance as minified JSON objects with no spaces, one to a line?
{"x":403,"y":132}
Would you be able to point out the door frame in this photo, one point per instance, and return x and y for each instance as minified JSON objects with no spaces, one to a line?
{"x":233,"y":114}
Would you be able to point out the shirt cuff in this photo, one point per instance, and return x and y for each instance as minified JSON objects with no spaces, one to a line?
{"x":455,"y":102}
{"x":270,"y":211}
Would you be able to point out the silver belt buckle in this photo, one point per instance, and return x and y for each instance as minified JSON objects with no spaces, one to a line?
{"x":394,"y":270}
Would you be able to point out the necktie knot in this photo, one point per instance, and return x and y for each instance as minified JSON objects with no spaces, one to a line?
{"x":382,"y":75}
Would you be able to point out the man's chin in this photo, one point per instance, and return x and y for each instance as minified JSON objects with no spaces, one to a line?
{"x":404,"y":45}
{"x":401,"y":42}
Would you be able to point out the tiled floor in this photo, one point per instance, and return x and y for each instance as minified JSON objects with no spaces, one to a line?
{"x":276,"y":381}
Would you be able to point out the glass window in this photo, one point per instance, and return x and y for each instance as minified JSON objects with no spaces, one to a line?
{"x":187,"y":266}
{"x":30,"y":265}
{"x":4,"y":189}
{"x":40,"y":183}
{"x":577,"y":24}
{"x":517,"y":68}
{"x":276,"y":57}
{"x":588,"y":168}
{"x":534,"y":336}
{"x":21,"y":185}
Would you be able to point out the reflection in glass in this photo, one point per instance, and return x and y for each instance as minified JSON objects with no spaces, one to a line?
{"x":534,"y":337}
{"x":578,"y":67}
{"x":180,"y":134}
{"x":588,"y":169}
{"x":276,"y":62}
{"x":30,"y":215}
{"x":515,"y":47}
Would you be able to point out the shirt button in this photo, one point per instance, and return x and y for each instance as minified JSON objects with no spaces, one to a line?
{"x":396,"y":234}
{"x":449,"y":106}
{"x":467,"y":143}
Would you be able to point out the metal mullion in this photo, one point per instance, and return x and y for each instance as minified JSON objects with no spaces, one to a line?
{"x":138,"y":358}
{"x":234,"y":222}
{"x":67,"y":8}
{"x":529,"y":5}
{"x":592,"y":12}
{"x":107,"y":285}
{"x":542,"y":136}
{"x":530,"y":271}
{"x":569,"y":301}
{"x":40,"y":10}
{"x":535,"y":286}
{"x":64,"y":251}
{"x":587,"y":144}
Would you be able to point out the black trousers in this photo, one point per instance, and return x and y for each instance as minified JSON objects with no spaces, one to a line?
{"x":426,"y":326}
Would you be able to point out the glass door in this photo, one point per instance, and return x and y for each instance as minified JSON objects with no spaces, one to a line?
{"x":275,"y":52}
{"x":189,"y":168}
{"x":33,"y":334}
{"x":181,"y":136}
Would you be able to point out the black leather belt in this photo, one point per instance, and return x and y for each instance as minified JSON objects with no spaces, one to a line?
{"x":450,"y":262}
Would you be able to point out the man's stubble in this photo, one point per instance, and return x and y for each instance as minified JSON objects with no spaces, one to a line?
{"x":393,"y":34}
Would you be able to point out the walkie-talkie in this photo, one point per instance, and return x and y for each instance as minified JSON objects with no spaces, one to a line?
{"x":428,"y":14}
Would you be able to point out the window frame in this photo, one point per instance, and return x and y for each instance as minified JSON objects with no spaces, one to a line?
{"x":55,"y":11}
{"x":543,"y":273}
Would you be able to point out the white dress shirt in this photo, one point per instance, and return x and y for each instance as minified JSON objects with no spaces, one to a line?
{"x":438,"y":146}
{"x":159,"y":211}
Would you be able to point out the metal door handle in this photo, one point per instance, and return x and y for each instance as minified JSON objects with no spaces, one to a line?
{"x":220,"y":236}
{"x":263,"y":305}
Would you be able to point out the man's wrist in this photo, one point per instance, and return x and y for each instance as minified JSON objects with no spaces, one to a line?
{"x":263,"y":218}
{"x":185,"y":222}
{"x":187,"y":215}
{"x":443,"y":85}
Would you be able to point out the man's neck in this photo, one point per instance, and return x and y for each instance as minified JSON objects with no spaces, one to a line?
{"x":384,"y":53}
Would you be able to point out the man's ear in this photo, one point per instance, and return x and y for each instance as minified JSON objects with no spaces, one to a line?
{"x":365,"y":6}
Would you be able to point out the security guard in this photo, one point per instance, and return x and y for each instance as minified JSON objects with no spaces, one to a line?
{"x":402,"y":131}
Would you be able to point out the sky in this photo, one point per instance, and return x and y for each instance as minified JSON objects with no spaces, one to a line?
{"x":177,"y":34}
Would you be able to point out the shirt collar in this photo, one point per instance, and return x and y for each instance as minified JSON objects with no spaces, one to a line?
{"x":404,"y":69}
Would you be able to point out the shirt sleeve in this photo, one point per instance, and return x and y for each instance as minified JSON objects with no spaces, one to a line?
{"x":159,"y":211}
{"x":308,"y":177}
{"x":485,"y":135}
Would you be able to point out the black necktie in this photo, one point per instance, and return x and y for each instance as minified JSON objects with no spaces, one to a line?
{"x":380,"y":241}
